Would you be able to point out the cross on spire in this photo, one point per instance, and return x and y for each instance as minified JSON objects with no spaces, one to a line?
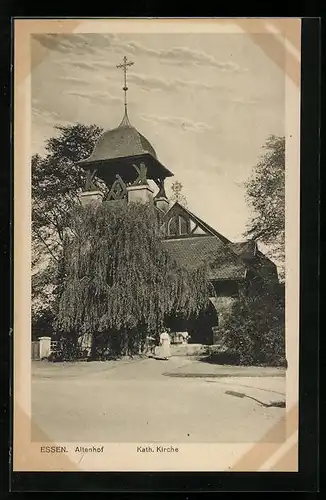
{"x":124,"y":66}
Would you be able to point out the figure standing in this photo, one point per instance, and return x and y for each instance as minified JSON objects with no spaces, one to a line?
{"x":165,"y":342}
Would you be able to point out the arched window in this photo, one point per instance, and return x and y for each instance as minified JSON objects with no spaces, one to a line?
{"x":173,"y":226}
{"x":177,"y":226}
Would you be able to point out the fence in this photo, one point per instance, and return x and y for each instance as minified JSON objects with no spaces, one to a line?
{"x":36,"y":349}
{"x":54,"y":345}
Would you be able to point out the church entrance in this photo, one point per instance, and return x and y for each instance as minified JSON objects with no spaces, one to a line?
{"x":200,"y":328}
{"x":195,"y":330}
{"x":179,"y":329}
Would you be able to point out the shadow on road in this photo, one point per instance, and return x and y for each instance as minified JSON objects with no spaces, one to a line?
{"x":158,"y":358}
{"x":232,"y":360}
{"x":274,"y":404}
{"x":220,"y":359}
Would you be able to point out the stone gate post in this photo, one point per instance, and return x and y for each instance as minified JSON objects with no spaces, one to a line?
{"x":45,"y":347}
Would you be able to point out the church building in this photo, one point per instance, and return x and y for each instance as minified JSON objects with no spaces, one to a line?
{"x":128,"y":164}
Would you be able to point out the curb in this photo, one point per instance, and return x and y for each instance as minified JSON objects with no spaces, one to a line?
{"x":222,"y":375}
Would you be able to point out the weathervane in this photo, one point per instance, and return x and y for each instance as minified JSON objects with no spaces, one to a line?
{"x":124,"y":66}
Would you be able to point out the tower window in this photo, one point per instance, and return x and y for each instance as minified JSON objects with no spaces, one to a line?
{"x":173,"y":226}
{"x":177,"y":226}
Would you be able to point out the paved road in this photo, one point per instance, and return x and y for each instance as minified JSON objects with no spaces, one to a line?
{"x":136,"y":402}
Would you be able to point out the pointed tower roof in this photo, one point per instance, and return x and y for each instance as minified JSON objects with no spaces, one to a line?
{"x":121,"y":142}
{"x":122,"y":146}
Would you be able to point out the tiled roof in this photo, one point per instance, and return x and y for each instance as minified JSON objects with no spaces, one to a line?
{"x":116,"y":151}
{"x":194,"y":252}
{"x":121,"y":142}
{"x":245,"y":249}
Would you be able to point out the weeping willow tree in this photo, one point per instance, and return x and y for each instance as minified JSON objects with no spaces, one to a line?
{"x":120,"y":284}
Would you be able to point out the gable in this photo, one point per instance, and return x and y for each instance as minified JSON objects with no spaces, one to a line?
{"x":179,"y":222}
{"x":192,"y":241}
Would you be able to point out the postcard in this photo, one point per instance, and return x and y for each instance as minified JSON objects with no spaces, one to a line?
{"x":156,"y":270}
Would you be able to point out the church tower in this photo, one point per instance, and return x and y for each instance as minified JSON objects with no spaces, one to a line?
{"x":125,"y":160}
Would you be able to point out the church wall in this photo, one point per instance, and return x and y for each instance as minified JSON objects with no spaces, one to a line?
{"x":224,"y":306}
{"x":227,"y":295}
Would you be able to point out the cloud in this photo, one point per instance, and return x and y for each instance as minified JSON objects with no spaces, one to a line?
{"x":151,"y":82}
{"x":46,"y":117}
{"x":100,"y":67}
{"x":155,"y":83}
{"x":81,"y":43}
{"x":178,"y":55}
{"x":76,"y":42}
{"x":90,"y":65}
{"x":71,"y":80}
{"x":146,"y":82}
{"x":182,"y":124}
{"x":39,"y":112}
{"x":94,"y":95}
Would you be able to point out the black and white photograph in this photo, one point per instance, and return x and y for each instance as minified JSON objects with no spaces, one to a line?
{"x":158,"y":268}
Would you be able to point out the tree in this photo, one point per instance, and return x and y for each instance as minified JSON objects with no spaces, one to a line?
{"x":56,"y":181}
{"x":44,"y":281}
{"x":120,"y":283}
{"x":177,"y":195}
{"x":266,"y":195}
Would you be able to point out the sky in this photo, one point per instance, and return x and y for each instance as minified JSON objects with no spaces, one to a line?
{"x":206,"y":102}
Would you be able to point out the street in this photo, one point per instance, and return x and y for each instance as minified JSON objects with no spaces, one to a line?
{"x":149,"y":400}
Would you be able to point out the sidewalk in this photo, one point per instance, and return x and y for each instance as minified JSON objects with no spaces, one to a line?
{"x":78,"y":369}
{"x":264,"y":385}
{"x":196,"y":368}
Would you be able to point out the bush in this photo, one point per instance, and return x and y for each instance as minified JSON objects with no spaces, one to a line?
{"x":255,"y":333}
{"x":68,"y":350}
{"x":42,"y":323}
